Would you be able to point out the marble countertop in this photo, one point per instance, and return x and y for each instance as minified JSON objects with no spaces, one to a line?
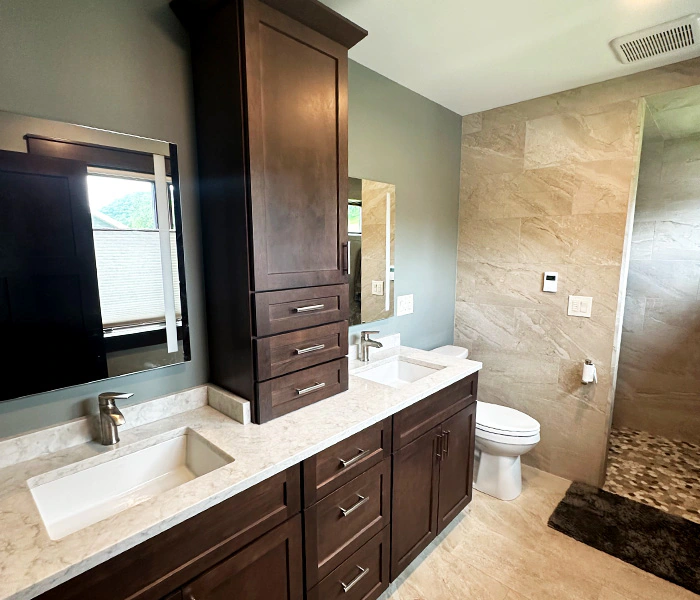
{"x":31,"y":563}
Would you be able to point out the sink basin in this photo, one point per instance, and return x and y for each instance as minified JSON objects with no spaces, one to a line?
{"x":398,"y":372}
{"x":73,"y":502}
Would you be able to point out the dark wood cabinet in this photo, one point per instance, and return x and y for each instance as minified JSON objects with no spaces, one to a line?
{"x":433,"y":468}
{"x":414,"y":499}
{"x":268,"y":569}
{"x":164,"y":563}
{"x":456,"y":465}
{"x":367,"y":515}
{"x":270,"y":87}
{"x":296,"y":89}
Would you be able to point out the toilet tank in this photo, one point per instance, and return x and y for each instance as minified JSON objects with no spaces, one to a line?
{"x":453,"y":351}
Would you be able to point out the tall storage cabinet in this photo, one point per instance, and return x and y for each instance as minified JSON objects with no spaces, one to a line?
{"x":270,"y":84}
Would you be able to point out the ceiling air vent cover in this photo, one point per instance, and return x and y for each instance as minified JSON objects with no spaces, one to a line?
{"x":678,"y":37}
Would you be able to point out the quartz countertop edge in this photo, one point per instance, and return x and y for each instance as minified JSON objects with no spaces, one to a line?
{"x":31,"y":563}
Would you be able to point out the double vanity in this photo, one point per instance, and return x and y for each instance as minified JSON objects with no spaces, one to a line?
{"x":334,"y":500}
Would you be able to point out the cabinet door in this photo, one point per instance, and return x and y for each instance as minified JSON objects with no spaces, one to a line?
{"x":296,"y":84}
{"x":457,"y":465}
{"x":268,"y":569}
{"x":414,"y":499}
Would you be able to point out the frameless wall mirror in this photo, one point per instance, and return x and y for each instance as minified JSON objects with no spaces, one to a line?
{"x":371,"y":226}
{"x":92,"y":280}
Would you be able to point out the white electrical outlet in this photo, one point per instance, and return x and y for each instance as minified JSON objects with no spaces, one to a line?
{"x":404,"y":305}
{"x":377,"y":288}
{"x":580,"y":306}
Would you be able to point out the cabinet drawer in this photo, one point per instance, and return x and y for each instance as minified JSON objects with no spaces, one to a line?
{"x":328,"y":470}
{"x":270,"y":567}
{"x":277,"y":312}
{"x":343,"y":521}
{"x":363,"y":576}
{"x":283,"y":395}
{"x":414,"y":421}
{"x":164,"y":563}
{"x":282,"y":354}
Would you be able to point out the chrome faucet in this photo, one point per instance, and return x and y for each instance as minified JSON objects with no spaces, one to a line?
{"x":110,"y":417}
{"x":366,"y":344}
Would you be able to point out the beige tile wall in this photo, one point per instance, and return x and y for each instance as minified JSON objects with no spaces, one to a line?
{"x":546,"y":186}
{"x":659,"y":372}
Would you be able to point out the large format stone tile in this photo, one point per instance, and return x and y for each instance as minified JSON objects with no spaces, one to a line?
{"x":495,"y":150}
{"x":578,"y":239}
{"x":663,"y":279}
{"x":574,"y":138}
{"x":676,"y":241}
{"x":506,"y":284}
{"x":481,"y":326}
{"x":471,"y":123}
{"x":489,"y":240}
{"x":547,"y":332}
{"x":603,"y":186}
{"x":633,"y":321}
{"x":674,"y":415}
{"x":642,"y":240}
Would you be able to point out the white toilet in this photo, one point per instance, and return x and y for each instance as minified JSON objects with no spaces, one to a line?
{"x":503,"y":435}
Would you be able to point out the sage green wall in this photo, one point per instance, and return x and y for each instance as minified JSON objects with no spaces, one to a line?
{"x":400,"y":137}
{"x":122,"y":66}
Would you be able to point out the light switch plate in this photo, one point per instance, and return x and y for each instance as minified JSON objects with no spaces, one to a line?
{"x":580,"y":306}
{"x":404,"y":305}
{"x":377,"y":288}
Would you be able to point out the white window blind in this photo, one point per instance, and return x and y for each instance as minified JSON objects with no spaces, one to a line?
{"x":129,"y":276}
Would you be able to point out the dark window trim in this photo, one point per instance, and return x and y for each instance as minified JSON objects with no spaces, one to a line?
{"x":95,"y":155}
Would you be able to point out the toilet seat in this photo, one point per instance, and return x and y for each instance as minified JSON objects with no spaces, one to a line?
{"x":508,"y":439}
{"x":505,"y":422}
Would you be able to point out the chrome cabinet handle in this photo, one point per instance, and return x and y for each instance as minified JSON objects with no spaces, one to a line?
{"x":303,"y":309}
{"x":309,"y":349}
{"x":354,"y":507}
{"x":439,"y":445}
{"x":311,"y":388}
{"x":348,"y":586}
{"x":354,"y":459}
{"x":189,"y":595}
{"x":446,"y":446}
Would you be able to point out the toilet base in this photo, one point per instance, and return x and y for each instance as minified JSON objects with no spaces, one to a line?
{"x":498,"y":476}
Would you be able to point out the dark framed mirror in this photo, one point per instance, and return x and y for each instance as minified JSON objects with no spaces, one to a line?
{"x":92,"y":280}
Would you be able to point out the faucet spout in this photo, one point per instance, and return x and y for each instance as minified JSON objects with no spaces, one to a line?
{"x":110,"y":417}
{"x":366,"y":343}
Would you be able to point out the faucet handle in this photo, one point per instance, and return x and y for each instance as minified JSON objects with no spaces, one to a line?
{"x":365,"y":334}
{"x":109,"y":397}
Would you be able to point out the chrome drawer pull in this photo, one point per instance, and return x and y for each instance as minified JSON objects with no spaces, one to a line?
{"x":348,"y":586}
{"x":354,"y":507}
{"x":303,"y":309}
{"x":446,"y":448}
{"x":309,"y":349}
{"x":311,"y":388}
{"x":354,"y":459}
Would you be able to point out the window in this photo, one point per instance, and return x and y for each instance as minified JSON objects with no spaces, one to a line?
{"x":127,"y":250}
{"x":354,"y":218}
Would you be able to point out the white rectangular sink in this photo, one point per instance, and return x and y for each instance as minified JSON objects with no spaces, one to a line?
{"x":72,"y":502}
{"x":398,"y":372}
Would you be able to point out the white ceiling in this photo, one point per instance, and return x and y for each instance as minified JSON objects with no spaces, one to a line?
{"x":471,"y":56}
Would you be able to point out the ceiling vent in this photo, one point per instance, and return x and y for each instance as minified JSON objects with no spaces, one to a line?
{"x":679,"y":37}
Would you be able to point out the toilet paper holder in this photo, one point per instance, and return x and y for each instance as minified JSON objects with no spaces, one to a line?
{"x":590,"y":374}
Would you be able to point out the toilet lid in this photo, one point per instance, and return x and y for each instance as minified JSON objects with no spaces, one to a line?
{"x":453,"y":351}
{"x":495,"y":418}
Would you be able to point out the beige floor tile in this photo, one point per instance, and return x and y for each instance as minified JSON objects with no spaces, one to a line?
{"x":505,"y":551}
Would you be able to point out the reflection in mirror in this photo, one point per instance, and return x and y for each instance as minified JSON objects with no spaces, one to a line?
{"x":91,"y":256}
{"x":371,"y":226}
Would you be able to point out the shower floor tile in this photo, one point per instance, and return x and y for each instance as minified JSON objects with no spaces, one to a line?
{"x":654,"y":470}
